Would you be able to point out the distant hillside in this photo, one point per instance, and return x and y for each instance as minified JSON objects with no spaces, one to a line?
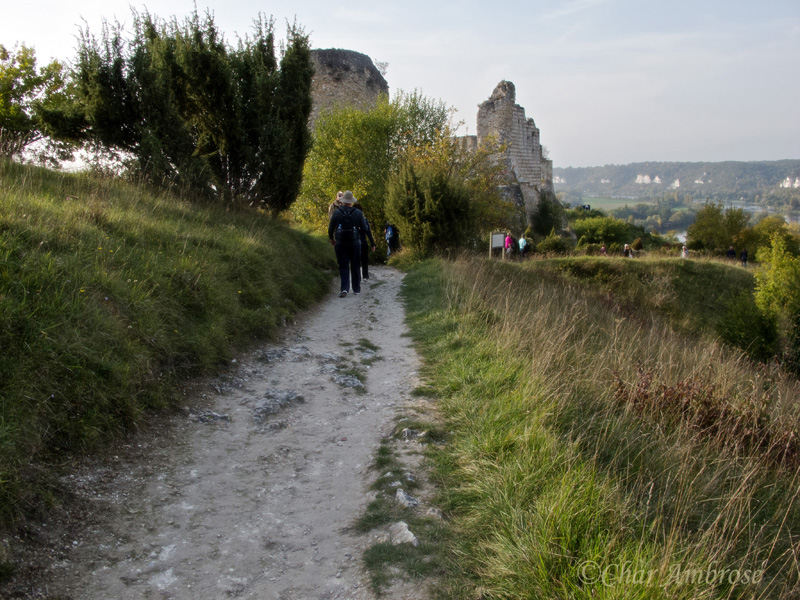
{"x":724,"y":180}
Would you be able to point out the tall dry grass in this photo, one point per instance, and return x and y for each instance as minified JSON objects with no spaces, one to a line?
{"x":586,"y":437}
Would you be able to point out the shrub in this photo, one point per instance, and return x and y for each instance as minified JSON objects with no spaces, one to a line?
{"x":746,"y":326}
{"x":553,"y":244}
{"x":431,"y":208}
{"x":599,"y":230}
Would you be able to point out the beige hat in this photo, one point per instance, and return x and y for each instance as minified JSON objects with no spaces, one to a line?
{"x":347,"y":198}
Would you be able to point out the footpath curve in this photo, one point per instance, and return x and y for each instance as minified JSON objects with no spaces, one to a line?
{"x":253,"y":490}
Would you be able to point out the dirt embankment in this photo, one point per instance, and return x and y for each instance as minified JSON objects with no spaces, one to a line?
{"x":251,"y":491}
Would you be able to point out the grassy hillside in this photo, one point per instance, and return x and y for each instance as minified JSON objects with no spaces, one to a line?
{"x":111,"y":293}
{"x":697,"y":297}
{"x":598,"y":452}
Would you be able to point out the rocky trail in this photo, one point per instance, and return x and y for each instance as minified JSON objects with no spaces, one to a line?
{"x":251,"y":490}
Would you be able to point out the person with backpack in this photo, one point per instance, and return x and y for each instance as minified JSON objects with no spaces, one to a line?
{"x":364,"y":247}
{"x":344,"y":232}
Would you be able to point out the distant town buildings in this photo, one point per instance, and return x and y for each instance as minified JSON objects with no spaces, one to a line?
{"x":788,"y":183}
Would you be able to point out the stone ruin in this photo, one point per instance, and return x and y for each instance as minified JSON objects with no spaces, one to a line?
{"x":529,"y":173}
{"x":349,"y":78}
{"x":344,"y":78}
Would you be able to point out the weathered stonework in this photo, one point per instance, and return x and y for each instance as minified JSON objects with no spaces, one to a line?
{"x":501,"y":118}
{"x":344,"y":78}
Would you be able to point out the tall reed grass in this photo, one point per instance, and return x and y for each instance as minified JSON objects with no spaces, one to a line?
{"x":111,"y":293}
{"x":596,"y":452}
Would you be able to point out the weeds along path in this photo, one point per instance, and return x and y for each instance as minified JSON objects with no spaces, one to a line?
{"x":254,"y":492}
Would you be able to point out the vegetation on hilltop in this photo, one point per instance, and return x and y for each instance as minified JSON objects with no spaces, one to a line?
{"x":111,"y":293}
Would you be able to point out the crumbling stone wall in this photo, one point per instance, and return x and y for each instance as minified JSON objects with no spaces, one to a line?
{"x":503,"y":119}
{"x":344,"y":78}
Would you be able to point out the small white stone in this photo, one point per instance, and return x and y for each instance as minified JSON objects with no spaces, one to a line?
{"x":400,"y":534}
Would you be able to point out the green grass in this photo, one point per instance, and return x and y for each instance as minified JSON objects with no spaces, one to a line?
{"x":110,"y":294}
{"x":587,"y":435}
{"x":383,"y":560}
{"x":697,"y":297}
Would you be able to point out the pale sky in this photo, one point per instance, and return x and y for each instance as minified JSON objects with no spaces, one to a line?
{"x":606,"y":81}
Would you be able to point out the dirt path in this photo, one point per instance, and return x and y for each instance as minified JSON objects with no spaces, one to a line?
{"x":250,"y":496}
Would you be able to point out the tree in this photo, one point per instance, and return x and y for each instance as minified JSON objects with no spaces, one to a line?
{"x":715,"y":228}
{"x":432,"y":208}
{"x":776,"y":295}
{"x":228,"y":124}
{"x":602,"y":230}
{"x":760,"y":236}
{"x":25,"y":93}
{"x":548,"y":215}
{"x":358,"y":149}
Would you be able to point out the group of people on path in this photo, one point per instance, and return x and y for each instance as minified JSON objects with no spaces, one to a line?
{"x":731,"y":254}
{"x":348,"y":232}
{"x":521,"y":244}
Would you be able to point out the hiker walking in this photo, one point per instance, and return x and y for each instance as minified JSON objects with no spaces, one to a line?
{"x":364,"y":247}
{"x":523,"y":245}
{"x":344,"y":233}
{"x":392,"y":238}
{"x":335,"y":204}
{"x":743,"y":257}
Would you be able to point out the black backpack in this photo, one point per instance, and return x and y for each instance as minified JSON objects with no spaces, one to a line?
{"x":347,"y":230}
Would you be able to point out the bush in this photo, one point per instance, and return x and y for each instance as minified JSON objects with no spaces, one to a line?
{"x":548,"y":215}
{"x":588,"y":249}
{"x":432,"y":209}
{"x":602,"y":230}
{"x":746,"y":327}
{"x":553,"y":244}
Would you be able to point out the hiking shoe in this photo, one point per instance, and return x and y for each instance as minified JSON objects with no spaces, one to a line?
{"x":356,"y":293}
{"x":343,"y":293}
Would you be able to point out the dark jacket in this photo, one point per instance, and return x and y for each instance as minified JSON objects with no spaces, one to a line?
{"x":367,"y":234}
{"x":338,"y":217}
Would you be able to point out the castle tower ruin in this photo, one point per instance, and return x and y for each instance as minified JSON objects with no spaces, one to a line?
{"x":501,"y":118}
{"x":343,"y":78}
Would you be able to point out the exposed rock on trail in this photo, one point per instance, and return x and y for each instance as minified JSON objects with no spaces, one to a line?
{"x":253,"y":493}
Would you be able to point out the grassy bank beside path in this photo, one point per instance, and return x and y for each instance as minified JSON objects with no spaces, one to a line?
{"x":597,"y":455}
{"x":110,"y":294}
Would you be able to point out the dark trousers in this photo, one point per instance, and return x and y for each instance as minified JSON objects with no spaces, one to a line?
{"x":364,"y":260}
{"x":349,"y":259}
